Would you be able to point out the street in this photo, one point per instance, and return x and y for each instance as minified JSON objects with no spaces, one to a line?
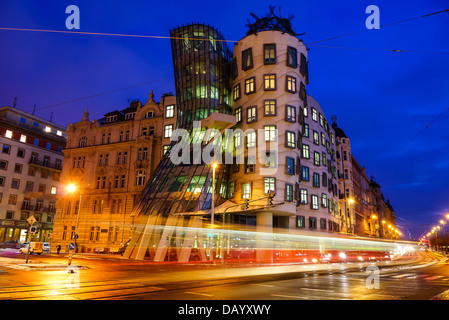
{"x":107,"y":277}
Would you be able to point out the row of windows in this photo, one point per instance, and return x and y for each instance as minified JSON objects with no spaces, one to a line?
{"x":10,"y":215}
{"x":270,"y":57}
{"x":269,"y":84}
{"x":30,"y":140}
{"x":269,"y":107}
{"x":15,"y":184}
{"x":324,"y":224}
{"x":120,"y":180}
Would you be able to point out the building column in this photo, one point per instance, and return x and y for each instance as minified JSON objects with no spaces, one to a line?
{"x":264,"y":238}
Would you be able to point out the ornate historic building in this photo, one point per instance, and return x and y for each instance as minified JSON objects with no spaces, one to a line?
{"x":109,"y":161}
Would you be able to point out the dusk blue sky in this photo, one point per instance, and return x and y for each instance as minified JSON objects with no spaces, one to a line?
{"x":382,"y":99}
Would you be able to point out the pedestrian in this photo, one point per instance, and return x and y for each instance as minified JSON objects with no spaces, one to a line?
{"x":58,"y":248}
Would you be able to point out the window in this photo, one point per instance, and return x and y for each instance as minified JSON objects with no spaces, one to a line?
{"x":238,"y":114}
{"x":251,"y":114}
{"x":323,"y":224}
{"x":269,"y":185}
{"x":237,"y":139}
{"x":234,"y":70}
{"x":247,"y":59}
{"x":269,"y":82}
{"x":270,"y":159}
{"x":236,"y":92}
{"x":149,"y":114}
{"x":316,"y":158}
{"x":300,"y":222}
{"x":6,"y":149}
{"x":269,"y":107}
{"x":54,"y":190}
{"x":288,"y":192}
{"x":290,"y":165}
{"x":292,"y":57}
{"x":305,"y":173}
{"x":23,"y":138}
{"x":250,"y":165}
{"x":12,"y":199}
{"x":246,"y":190}
{"x":312,"y":222}
{"x":269,"y":53}
{"x":9,"y":215}
{"x":314,"y":115}
{"x":305,"y":151}
{"x":140,"y":178}
{"x":82,"y":142}
{"x":3,"y":165}
{"x":290,"y":85}
{"x":302,"y":91}
{"x":15,"y":183}
{"x":290,"y":113}
{"x":170,"y":111}
{"x":270,"y":133}
{"x":303,"y":67}
{"x":18,"y":168}
{"x":168,"y":131}
{"x":321,"y":120}
{"x":250,"y":85}
{"x":8,"y":134}
{"x":315,"y":205}
{"x":316,"y":138}
{"x":306,"y":130}
{"x":290,"y":141}
{"x":304,"y":196}
{"x":316,"y":180}
{"x":324,"y":200}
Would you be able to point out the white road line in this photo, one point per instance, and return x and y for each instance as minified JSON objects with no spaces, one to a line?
{"x":312,"y":289}
{"x":402,"y":275}
{"x":288,"y":297}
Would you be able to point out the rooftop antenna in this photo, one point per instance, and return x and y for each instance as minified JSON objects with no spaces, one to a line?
{"x":51,"y":117}
{"x":15,"y":102}
{"x":34,"y":110}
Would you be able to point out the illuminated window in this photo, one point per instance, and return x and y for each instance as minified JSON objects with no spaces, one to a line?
{"x":269,"y":185}
{"x":269,"y":107}
{"x":8,"y":134}
{"x":304,"y":196}
{"x":54,"y":190}
{"x":238,"y":114}
{"x":269,"y":53}
{"x":300,"y":222}
{"x":324,"y":200}
{"x":290,"y":139}
{"x":291,"y":84}
{"x":314,"y":115}
{"x":270,"y":133}
{"x":236,"y":92}
{"x":316,"y":158}
{"x":170,"y":111}
{"x":292,"y":57}
{"x":269,"y":82}
{"x":290,"y":113}
{"x":288,"y":192}
{"x":246,"y":190}
{"x":251,"y":114}
{"x":251,"y":139}
{"x":168,"y":131}
{"x":316,"y":180}
{"x":47,"y":129}
{"x":59,"y":133}
{"x":315,"y":205}
{"x":23,"y":138}
{"x":250,"y":85}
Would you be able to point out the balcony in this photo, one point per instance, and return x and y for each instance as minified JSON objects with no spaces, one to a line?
{"x":46,"y":164}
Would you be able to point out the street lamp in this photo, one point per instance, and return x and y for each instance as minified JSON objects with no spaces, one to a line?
{"x":212,"y":213}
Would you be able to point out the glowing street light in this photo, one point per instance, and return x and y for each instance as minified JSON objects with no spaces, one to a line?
{"x":72,"y":188}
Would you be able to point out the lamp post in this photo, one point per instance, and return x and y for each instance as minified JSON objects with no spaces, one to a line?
{"x":350,"y":201}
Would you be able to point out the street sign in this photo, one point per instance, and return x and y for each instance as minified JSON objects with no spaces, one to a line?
{"x":33,"y":230}
{"x":31,"y":220}
{"x":76,"y":236}
{"x":71,"y":246}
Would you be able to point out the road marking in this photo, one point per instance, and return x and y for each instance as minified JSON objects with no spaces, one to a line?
{"x":313,"y":289}
{"x":265,"y":285}
{"x":199,"y":293}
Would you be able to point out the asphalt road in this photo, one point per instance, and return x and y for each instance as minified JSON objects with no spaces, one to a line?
{"x":114,"y":278}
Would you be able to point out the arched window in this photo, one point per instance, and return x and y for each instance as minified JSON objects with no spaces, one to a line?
{"x":150,"y":114}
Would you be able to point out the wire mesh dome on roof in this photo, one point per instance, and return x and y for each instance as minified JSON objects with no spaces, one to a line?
{"x":271,"y":21}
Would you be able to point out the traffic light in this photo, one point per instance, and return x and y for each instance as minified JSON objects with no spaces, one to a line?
{"x":33,"y":229}
{"x":246,"y":204}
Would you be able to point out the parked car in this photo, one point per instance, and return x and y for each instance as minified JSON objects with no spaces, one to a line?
{"x":34,"y":247}
{"x":12,"y":244}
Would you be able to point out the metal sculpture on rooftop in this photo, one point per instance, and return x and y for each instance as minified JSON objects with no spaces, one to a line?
{"x":271,"y":21}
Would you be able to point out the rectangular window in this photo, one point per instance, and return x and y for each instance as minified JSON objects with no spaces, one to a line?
{"x":168,"y":131}
{"x":305,"y":151}
{"x":246,"y":190}
{"x":250,"y":85}
{"x":304,"y":196}
{"x":292,"y":57}
{"x":250,"y":165}
{"x":316,"y":138}
{"x":247,"y":59}
{"x":251,"y":114}
{"x":300,"y":222}
{"x":269,"y":107}
{"x":324,"y":200}
{"x":290,"y":165}
{"x":316,"y":158}
{"x":316,"y":180}
{"x":290,"y":113}
{"x":306,"y":130}
{"x":238,"y":114}
{"x":269,"y":82}
{"x":305,"y":173}
{"x":269,"y":185}
{"x":269,"y":53}
{"x":315,"y":205}
{"x":236,"y":92}
{"x":323,"y":224}
{"x":288,"y":192}
{"x":290,"y":85}
{"x":170,"y":111}
{"x":314,"y":115}
{"x":290,"y":141}
{"x":302,"y":91}
{"x":270,"y":133}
